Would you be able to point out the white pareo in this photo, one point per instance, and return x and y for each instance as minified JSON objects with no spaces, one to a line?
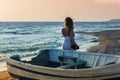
{"x":66,"y":44}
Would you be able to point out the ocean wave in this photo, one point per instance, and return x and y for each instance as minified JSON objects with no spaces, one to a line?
{"x":19,"y":33}
{"x":31,"y":48}
{"x":25,"y":32}
{"x":19,"y":50}
{"x":2,"y":59}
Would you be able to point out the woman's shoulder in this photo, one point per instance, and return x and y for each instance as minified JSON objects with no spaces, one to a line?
{"x":64,"y":28}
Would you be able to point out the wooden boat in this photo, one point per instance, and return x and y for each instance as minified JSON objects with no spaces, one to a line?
{"x":54,"y":64}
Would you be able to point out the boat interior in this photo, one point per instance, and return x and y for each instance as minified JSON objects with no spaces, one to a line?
{"x":67,"y":59}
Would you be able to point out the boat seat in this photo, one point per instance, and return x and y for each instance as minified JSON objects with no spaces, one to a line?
{"x":79,"y":63}
{"x":67,"y":57}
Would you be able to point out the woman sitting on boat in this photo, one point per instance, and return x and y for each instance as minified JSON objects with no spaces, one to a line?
{"x":68,"y":33}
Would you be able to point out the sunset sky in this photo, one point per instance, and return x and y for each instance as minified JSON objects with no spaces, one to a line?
{"x":57,"y":10}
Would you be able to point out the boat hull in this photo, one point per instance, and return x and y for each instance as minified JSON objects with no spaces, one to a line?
{"x":32,"y":76}
{"x":25,"y":71}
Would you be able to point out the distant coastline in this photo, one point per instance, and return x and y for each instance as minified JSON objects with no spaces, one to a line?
{"x":114,"y":20}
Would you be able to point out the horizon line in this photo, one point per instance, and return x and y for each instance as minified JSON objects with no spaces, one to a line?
{"x":57,"y":20}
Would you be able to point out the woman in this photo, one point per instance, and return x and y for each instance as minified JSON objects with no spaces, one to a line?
{"x":68,"y":33}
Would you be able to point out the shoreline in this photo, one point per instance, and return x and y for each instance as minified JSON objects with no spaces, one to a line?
{"x":109,"y":42}
{"x":3,"y":66}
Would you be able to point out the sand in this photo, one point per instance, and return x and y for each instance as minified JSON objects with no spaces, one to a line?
{"x":109,"y":42}
{"x":5,"y":76}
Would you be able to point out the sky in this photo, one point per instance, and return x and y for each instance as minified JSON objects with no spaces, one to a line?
{"x":57,"y":10}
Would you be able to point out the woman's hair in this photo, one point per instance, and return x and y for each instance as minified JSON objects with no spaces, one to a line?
{"x":69,"y":23}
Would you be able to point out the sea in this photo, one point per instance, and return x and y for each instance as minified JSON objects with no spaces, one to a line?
{"x":30,"y":37}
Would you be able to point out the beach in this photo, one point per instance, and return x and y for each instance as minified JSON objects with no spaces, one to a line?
{"x":5,"y":76}
{"x":109,"y":42}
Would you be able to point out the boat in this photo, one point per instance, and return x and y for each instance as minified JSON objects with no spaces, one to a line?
{"x":56,"y":64}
